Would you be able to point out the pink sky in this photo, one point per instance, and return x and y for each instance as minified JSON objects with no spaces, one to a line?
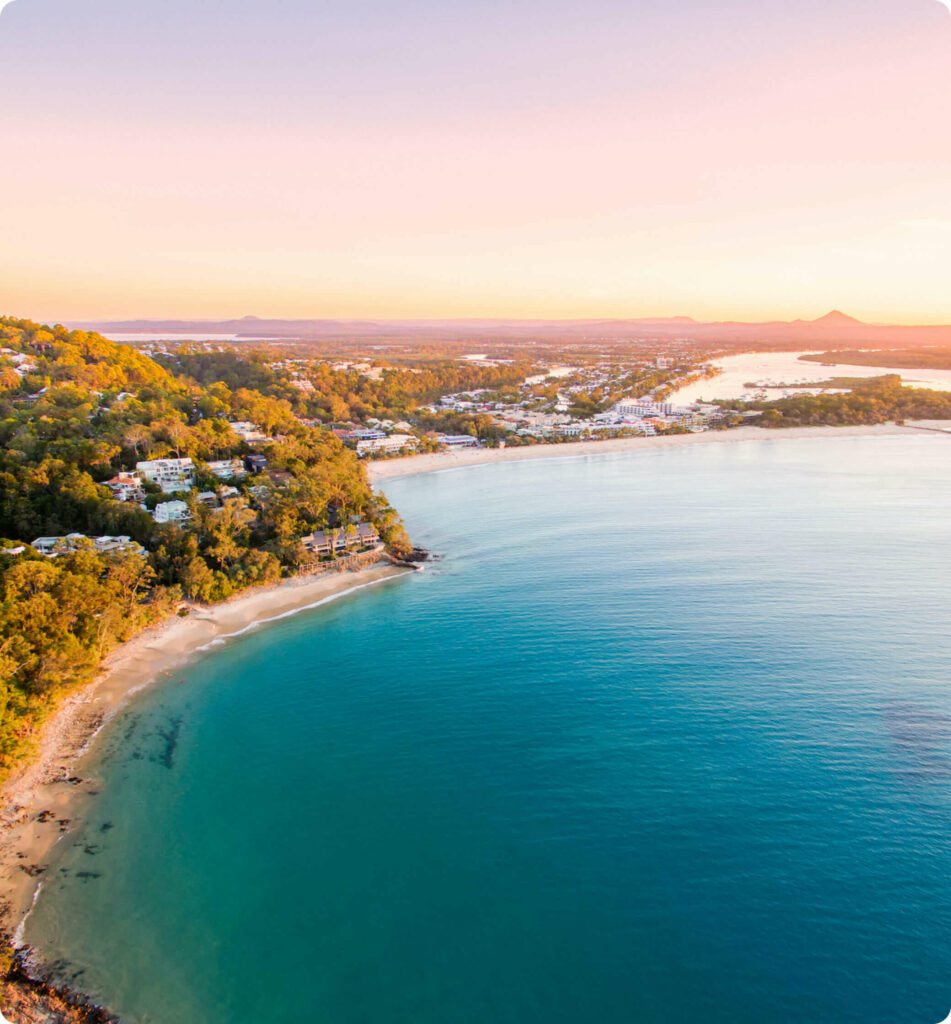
{"x":318,"y":159}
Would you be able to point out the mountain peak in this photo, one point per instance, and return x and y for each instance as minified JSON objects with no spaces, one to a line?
{"x":836,"y":317}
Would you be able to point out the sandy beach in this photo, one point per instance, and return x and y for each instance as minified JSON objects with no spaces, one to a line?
{"x":40,"y":802}
{"x":389,"y":469}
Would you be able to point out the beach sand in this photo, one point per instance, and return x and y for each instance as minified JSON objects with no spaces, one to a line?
{"x":389,"y":469}
{"x":40,"y":802}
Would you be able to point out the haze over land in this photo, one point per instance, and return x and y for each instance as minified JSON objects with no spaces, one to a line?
{"x":834,"y":327}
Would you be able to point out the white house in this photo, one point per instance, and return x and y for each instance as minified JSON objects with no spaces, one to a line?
{"x":170,"y":474}
{"x":642,"y":407}
{"x":392,"y":443}
{"x":458,"y":441}
{"x":227,"y":469}
{"x":52,"y":546}
{"x":248,"y":432}
{"x":126,"y":487}
{"x":171,"y":512}
{"x":106,"y":544}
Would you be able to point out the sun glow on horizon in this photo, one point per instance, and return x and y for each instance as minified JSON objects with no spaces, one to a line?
{"x":476,"y":163}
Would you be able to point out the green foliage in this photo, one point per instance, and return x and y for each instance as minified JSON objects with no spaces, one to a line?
{"x":89,"y":408}
{"x":58,"y":618}
{"x":877,"y":400}
{"x":475,"y":425}
{"x":342,"y":395}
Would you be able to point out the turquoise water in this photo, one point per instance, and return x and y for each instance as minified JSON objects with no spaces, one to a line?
{"x":665,"y":737}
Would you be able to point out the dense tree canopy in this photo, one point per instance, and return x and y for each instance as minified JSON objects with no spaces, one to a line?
{"x":75,"y":409}
{"x":877,"y":400}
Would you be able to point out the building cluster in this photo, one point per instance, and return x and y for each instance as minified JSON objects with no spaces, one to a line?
{"x":374,"y":441}
{"x":180,"y":476}
{"x":383,"y":439}
{"x":548,"y":405}
{"x":22,"y":363}
{"x":552,"y":417}
{"x":51,"y":547}
{"x":323,"y":543}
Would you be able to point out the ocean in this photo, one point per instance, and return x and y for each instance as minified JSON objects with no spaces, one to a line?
{"x":660,"y":737}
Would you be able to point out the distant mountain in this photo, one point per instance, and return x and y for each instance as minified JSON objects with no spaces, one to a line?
{"x":837,"y":318}
{"x":835,"y":327}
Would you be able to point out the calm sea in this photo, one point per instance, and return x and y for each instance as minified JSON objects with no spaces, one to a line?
{"x":663,"y":737}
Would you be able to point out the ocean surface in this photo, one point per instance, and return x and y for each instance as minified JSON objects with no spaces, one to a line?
{"x":662,"y":737}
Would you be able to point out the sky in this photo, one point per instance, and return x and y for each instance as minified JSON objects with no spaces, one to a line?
{"x":441,"y":158}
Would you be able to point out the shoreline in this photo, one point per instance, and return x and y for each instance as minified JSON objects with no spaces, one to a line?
{"x":49,"y":796}
{"x":40,"y":803}
{"x":435,"y":462}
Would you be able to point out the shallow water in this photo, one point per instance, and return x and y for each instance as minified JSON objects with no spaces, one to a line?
{"x":737,"y":372}
{"x":663,"y":737}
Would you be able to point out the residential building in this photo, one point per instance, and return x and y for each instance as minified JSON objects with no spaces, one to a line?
{"x":126,"y":487}
{"x":171,"y":512}
{"x":106,"y":544}
{"x":170,"y":474}
{"x":324,"y":542}
{"x":457,"y":440}
{"x":53,"y":546}
{"x":391,"y":443}
{"x":249,"y":432}
{"x":227,"y":469}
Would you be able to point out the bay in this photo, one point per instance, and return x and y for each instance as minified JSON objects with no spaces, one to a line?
{"x":663,"y":736}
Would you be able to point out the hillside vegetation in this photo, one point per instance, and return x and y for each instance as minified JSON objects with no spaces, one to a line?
{"x":75,"y":409}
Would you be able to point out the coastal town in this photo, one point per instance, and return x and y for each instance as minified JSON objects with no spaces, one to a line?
{"x":627,"y":393}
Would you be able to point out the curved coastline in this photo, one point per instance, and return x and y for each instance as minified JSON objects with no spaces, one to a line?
{"x":42,"y":802}
{"x":435,"y":462}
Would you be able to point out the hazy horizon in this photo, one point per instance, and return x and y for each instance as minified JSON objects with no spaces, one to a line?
{"x":831,"y":315}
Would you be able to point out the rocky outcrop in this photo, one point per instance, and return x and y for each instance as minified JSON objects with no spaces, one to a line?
{"x":25,"y":999}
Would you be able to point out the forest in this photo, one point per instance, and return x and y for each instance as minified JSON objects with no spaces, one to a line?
{"x":320,"y":391}
{"x":75,"y":409}
{"x":876,"y":400}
